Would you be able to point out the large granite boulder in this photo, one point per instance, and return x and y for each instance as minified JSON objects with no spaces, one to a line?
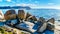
{"x":51,"y":24}
{"x":52,"y":20}
{"x":1,"y":16}
{"x":43,"y":24}
{"x":10,"y":14}
{"x":27,"y":15}
{"x":21,"y":14}
{"x":32,"y":19}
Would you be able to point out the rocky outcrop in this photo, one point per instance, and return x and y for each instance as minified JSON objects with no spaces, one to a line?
{"x":2,"y":19}
{"x":10,"y":14}
{"x":27,"y":15}
{"x":41,"y":19}
{"x":52,"y":20}
{"x":43,"y":25}
{"x":32,"y":18}
{"x":21,"y":14}
{"x":51,"y":24}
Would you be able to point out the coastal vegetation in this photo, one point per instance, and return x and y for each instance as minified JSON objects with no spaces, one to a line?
{"x":6,"y":30}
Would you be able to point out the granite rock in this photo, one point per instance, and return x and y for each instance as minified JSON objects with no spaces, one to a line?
{"x":10,"y":14}
{"x":21,"y":14}
{"x":51,"y":24}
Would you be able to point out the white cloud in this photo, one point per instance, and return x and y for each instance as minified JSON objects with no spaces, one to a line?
{"x":8,"y":0}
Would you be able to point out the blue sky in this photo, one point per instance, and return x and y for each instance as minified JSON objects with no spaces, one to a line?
{"x":32,"y":3}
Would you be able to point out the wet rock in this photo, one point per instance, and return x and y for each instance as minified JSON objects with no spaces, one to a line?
{"x":10,"y":14}
{"x":51,"y":24}
{"x":21,"y":14}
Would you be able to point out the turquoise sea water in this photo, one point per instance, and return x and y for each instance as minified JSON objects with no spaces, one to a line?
{"x":46,"y":13}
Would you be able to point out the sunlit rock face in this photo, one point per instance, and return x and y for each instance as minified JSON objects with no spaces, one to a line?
{"x":21,"y":14}
{"x":57,"y":27}
{"x":32,"y":19}
{"x":51,"y":23}
{"x":42,"y":28}
{"x":43,"y":25}
{"x":52,"y":20}
{"x":10,"y":14}
{"x":27,"y":16}
{"x":1,"y":16}
{"x":30,"y":25}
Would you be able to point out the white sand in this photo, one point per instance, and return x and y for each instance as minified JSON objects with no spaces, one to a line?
{"x":57,"y":27}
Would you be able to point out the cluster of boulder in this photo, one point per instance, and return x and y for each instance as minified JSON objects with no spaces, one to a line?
{"x":22,"y":17}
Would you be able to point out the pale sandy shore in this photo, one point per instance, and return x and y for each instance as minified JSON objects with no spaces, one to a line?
{"x":57,"y":28}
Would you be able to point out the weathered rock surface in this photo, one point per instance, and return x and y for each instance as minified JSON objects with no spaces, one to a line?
{"x":1,"y":16}
{"x":43,"y":25}
{"x":21,"y":14}
{"x":32,"y":18}
{"x":51,"y":24}
{"x":52,"y":20}
{"x":27,"y":15}
{"x":10,"y":14}
{"x":41,"y":19}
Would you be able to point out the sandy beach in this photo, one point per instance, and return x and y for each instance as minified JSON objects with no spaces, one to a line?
{"x":57,"y":28}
